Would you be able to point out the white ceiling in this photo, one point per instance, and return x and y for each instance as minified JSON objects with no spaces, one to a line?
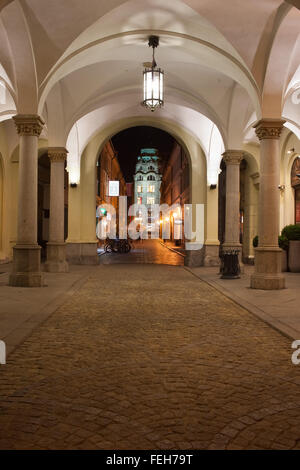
{"x":80,"y":63}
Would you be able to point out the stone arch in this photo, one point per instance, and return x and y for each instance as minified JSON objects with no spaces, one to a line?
{"x":82,"y":221}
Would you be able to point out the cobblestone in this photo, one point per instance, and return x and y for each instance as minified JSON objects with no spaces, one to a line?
{"x":144,"y":251}
{"x":150,"y":357}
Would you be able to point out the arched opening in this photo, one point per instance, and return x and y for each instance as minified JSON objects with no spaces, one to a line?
{"x":150,"y":168}
{"x":295,"y":182}
{"x":82,"y":241}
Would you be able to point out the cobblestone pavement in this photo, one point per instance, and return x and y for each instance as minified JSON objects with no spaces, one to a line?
{"x":150,"y":357}
{"x":145,"y":252}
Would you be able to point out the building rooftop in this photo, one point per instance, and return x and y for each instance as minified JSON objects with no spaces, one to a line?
{"x":148,"y":154}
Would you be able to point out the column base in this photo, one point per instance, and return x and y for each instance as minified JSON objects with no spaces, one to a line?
{"x":268,"y":274}
{"x":211,"y":255}
{"x":207,"y":256}
{"x":82,"y":253}
{"x":56,"y":258}
{"x":267,"y":282}
{"x":26,"y":271}
{"x":194,"y":258}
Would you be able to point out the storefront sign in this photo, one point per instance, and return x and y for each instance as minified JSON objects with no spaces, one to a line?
{"x":114,"y":188}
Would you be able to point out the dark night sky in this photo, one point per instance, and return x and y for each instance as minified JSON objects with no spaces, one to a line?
{"x":128,"y":144}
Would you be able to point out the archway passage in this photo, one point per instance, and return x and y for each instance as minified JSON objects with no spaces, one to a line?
{"x":149,"y":168}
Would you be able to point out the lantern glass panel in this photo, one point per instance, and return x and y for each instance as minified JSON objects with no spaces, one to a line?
{"x":153,"y":88}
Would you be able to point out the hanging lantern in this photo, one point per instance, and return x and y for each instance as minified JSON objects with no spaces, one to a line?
{"x":153,"y":81}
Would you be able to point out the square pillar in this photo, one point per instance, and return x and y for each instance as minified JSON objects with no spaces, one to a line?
{"x":56,"y":247}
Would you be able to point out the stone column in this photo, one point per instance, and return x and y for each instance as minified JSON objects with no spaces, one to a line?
{"x":212,"y":244}
{"x":268,"y":274}
{"x":232,"y":159}
{"x":56,"y":247}
{"x":26,"y":271}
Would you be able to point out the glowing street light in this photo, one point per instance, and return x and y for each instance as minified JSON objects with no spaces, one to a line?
{"x":153,"y":81}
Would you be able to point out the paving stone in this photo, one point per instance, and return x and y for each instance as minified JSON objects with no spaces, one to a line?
{"x":148,"y":356}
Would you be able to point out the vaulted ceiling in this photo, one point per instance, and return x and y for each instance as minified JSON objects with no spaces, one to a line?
{"x":80,"y":63}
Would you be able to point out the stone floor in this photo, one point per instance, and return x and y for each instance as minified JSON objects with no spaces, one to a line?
{"x":280,"y":308}
{"x":146,"y":252}
{"x":148,"y":356}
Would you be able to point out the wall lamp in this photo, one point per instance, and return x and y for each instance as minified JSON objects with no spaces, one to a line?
{"x":281,"y":187}
{"x":213,"y":186}
{"x":73,"y":185}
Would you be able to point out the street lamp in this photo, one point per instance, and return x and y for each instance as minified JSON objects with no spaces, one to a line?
{"x":153,"y":81}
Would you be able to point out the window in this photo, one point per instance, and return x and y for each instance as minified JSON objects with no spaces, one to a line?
{"x":140,"y":178}
{"x":151,"y":188}
{"x":151,"y":168}
{"x":139,"y":200}
{"x":150,"y":200}
{"x":151,"y":178}
{"x":139,"y":189}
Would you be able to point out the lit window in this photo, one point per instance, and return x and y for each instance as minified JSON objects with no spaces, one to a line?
{"x":139,"y":189}
{"x":151,"y":188}
{"x":150,"y":200}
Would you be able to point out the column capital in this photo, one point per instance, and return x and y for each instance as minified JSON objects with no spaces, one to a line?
{"x":29,"y":124}
{"x":233,"y":157}
{"x":269,"y":128}
{"x":57,"y":154}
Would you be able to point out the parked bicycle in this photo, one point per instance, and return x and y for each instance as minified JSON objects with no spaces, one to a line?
{"x":117,"y":246}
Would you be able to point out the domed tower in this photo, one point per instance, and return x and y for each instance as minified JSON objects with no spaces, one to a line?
{"x":147,"y":179}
